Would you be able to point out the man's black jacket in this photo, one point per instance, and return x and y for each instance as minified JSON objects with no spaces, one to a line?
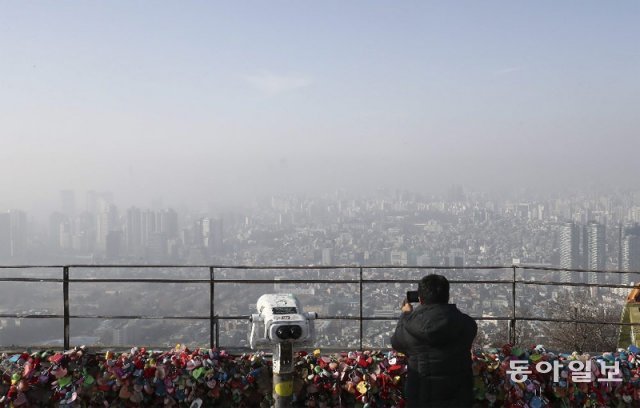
{"x":437,"y":339}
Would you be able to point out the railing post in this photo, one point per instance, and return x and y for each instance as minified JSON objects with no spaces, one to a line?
{"x":212,"y":322}
{"x":512,"y":325}
{"x":217,"y":332}
{"x":361,"y":323}
{"x":65,"y":296}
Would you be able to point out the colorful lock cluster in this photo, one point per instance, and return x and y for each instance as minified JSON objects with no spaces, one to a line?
{"x":198,"y":378}
{"x":139,"y":378}
{"x":213,"y":378}
{"x":355,"y":379}
{"x":595,"y":384}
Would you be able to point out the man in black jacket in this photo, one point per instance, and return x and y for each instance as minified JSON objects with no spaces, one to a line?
{"x":437,"y":339}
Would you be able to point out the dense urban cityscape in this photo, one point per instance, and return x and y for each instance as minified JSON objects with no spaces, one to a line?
{"x":391,"y":228}
{"x":400,"y":228}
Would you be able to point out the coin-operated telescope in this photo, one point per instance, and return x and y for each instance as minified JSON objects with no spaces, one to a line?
{"x":280,"y":323}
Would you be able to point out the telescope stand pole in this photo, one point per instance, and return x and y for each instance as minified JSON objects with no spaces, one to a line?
{"x":283,"y":375}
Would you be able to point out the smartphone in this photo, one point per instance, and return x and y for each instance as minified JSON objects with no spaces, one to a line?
{"x":412,"y":296}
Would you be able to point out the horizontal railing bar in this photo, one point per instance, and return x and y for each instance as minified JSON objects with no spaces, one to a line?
{"x":138,"y":280}
{"x":261,"y":281}
{"x":244,"y":267}
{"x":246,"y":317}
{"x":395,"y":318}
{"x":418,"y":280}
{"x":489,"y":318}
{"x":30,"y":266}
{"x":556,"y":269}
{"x":99,"y":266}
{"x":312,"y":281}
{"x":139,"y":317}
{"x":219,"y":317}
{"x":353,"y":318}
{"x":52,"y":280}
{"x":348,"y":318}
{"x":554,"y":320}
{"x":312,"y":267}
{"x":258,"y":267}
{"x":295,"y":281}
{"x":249,"y":281}
{"x":479,"y":267}
{"x":374,"y":318}
{"x":586,"y":285}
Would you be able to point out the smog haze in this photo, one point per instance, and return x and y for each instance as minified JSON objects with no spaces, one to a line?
{"x":199,"y":102}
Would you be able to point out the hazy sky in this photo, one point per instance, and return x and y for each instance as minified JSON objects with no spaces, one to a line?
{"x":219,"y":100}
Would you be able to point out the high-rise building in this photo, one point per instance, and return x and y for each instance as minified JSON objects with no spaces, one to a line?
{"x":85,"y":232}
{"x":630,"y":251}
{"x":5,"y":237}
{"x":569,"y":240}
{"x":56,"y":223}
{"x":65,"y":235}
{"x":204,"y":227}
{"x":68,"y":201}
{"x":620,"y":238}
{"x":596,"y":250}
{"x":216,"y":241}
{"x":327,"y":256}
{"x":148,"y":226}
{"x":18,"y":233}
{"x":209,"y":234}
{"x":107,"y":222}
{"x":141,"y":228}
{"x":134,"y":231}
{"x":13,"y":234}
{"x":168,"y":223}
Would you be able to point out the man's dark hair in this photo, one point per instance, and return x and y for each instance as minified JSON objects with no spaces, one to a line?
{"x":434,"y":289}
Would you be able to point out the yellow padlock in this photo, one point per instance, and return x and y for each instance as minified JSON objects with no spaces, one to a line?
{"x":284,"y":389}
{"x":362,"y":387}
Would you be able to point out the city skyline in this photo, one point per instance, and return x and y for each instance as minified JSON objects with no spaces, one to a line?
{"x":394,"y":228}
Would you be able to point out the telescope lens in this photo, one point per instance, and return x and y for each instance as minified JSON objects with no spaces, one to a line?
{"x":289,"y":332}
{"x":283,"y":332}
{"x":296,"y":332}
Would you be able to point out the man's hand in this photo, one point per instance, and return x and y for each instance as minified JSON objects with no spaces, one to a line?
{"x":406,"y":307}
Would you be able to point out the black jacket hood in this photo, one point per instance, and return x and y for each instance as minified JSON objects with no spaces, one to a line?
{"x":436,"y":323}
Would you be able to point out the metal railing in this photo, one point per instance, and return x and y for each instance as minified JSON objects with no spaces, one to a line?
{"x":211,"y":281}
